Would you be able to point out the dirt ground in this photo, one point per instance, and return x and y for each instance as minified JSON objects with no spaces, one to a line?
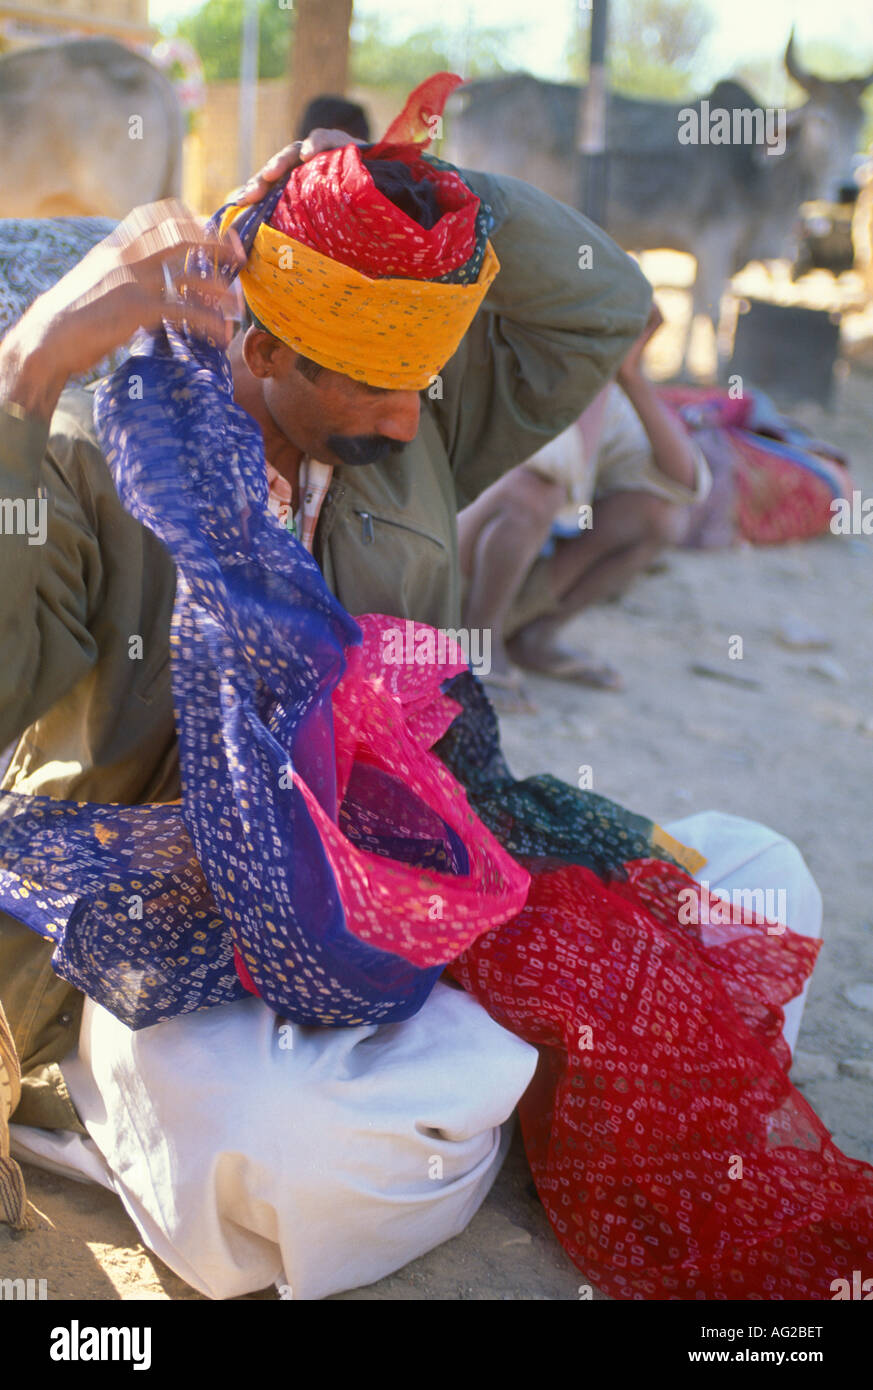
{"x":793,"y":751}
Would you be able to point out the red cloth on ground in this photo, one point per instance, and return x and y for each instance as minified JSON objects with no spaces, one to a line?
{"x":776,"y":499}
{"x":672,"y":1154}
{"x":769,"y":488}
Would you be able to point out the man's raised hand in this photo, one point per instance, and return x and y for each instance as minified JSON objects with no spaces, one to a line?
{"x":317,"y":142}
{"x":120,"y":286}
{"x":632,"y":365}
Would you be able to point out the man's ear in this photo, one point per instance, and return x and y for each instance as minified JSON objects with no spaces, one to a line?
{"x":263,"y":353}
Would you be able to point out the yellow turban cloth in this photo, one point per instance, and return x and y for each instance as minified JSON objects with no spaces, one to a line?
{"x":395,"y":333}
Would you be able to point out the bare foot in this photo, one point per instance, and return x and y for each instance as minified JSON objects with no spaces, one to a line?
{"x":562,"y":664}
{"x":507,"y":693}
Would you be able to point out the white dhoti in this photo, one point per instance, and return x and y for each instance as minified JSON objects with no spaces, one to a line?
{"x":330,"y":1162}
{"x":322,"y":1165}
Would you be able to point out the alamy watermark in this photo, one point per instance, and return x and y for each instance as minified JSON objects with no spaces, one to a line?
{"x":860,"y":1289}
{"x":700,"y":907}
{"x":77,"y":1343}
{"x":28,"y":1290}
{"x":852,"y":518}
{"x":25,"y":516}
{"x":742,"y":125}
{"x":427,"y":646}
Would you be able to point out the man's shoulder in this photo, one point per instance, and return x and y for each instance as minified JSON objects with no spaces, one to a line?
{"x":73,"y":450}
{"x":73,"y":417}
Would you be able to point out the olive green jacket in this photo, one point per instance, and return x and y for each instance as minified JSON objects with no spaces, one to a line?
{"x":91,"y":707}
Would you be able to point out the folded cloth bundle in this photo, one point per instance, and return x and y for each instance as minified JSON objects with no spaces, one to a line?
{"x":36,"y":252}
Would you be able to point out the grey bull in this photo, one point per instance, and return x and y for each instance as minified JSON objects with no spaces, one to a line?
{"x":87,"y":128}
{"x":725,"y":203}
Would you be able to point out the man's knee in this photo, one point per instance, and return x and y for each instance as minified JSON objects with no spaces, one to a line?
{"x":520,"y":501}
{"x":662,"y":521}
{"x":641,"y":518}
{"x":538,"y":499}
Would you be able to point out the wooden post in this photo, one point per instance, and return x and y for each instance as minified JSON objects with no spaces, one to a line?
{"x":591,"y":129}
{"x":248,"y":92}
{"x":319,"y":54}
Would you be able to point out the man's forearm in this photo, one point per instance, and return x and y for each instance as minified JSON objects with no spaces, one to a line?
{"x":30,"y":385}
{"x":671,"y":448}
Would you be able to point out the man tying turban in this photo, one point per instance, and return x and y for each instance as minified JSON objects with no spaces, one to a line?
{"x":373,"y":290}
{"x":316,"y":817}
{"x":314,"y":1165}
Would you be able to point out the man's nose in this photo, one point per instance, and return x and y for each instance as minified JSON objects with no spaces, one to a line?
{"x":399,"y":416}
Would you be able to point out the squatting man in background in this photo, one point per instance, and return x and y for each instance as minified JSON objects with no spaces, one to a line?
{"x":573,"y":525}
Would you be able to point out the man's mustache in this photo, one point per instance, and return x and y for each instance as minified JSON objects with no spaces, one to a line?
{"x":363,"y":448}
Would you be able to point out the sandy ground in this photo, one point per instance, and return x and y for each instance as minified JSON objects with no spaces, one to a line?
{"x":795,"y":752}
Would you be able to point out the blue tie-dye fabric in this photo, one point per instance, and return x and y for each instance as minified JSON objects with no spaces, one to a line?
{"x":144,"y":903}
{"x":258,"y":645}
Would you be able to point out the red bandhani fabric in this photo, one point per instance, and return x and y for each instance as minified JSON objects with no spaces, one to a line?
{"x":784,"y":495}
{"x":415,"y":124}
{"x":672,"y":1154}
{"x":773,"y":482}
{"x":332,"y":205}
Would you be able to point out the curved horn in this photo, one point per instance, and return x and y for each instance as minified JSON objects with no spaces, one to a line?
{"x":792,"y":63}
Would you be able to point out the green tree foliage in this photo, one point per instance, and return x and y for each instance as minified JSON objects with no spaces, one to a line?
{"x":652,"y":47}
{"x":215,"y":30}
{"x":377,"y":61}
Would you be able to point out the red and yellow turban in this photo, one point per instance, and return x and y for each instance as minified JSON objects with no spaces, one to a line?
{"x":345,"y":277}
